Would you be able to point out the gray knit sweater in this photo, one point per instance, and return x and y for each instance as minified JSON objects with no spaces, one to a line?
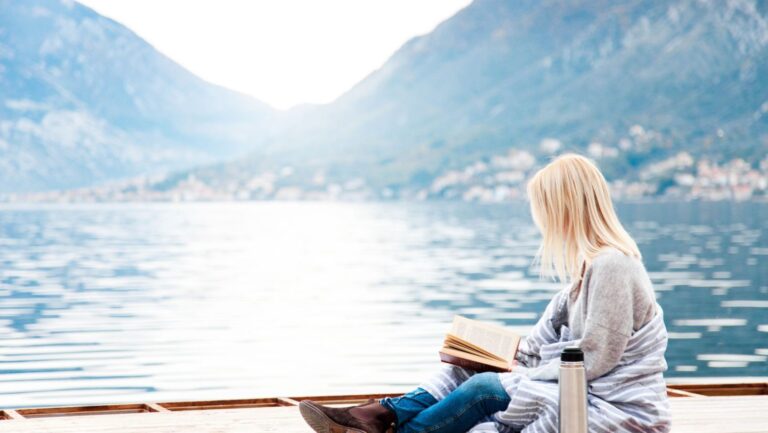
{"x":615,"y":298}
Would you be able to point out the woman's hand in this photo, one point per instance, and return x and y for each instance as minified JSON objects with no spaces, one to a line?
{"x":512,"y":364}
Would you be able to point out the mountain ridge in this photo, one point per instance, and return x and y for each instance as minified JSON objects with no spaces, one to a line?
{"x":88,"y":100}
{"x":632,"y":83}
{"x":567,"y":70}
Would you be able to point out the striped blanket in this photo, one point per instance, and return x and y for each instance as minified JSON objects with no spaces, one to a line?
{"x":629,"y":398}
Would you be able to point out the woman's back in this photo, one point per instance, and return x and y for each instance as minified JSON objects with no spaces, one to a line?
{"x":614,"y":299}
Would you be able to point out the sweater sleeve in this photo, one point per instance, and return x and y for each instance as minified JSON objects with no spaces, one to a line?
{"x":609,"y":317}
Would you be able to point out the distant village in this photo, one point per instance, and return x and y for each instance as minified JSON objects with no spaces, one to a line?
{"x":500,"y":178}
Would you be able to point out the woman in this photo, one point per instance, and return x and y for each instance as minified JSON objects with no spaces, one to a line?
{"x":608,"y":308}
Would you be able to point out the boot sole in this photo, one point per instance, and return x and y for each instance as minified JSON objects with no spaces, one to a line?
{"x":320,"y":422}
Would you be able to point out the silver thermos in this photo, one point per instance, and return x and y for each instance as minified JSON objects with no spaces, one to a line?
{"x":573,"y":391}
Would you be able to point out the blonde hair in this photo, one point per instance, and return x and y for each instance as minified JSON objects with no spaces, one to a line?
{"x":571,"y":205}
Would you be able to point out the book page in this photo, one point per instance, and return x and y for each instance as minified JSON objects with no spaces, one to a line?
{"x":461,"y":344}
{"x":490,"y":338}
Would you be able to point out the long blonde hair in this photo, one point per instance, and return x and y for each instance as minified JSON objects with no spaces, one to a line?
{"x":571,"y":205}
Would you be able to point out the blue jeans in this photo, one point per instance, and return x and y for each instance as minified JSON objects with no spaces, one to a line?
{"x":475,"y":399}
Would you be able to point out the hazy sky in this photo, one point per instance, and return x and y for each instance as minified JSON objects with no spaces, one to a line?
{"x":283,"y":52}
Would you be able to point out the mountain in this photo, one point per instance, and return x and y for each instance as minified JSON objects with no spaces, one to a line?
{"x":84,"y":100}
{"x":690,"y":75}
{"x":647,"y":87}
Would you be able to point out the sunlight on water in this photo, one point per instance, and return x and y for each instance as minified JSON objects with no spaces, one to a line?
{"x":108,"y":303}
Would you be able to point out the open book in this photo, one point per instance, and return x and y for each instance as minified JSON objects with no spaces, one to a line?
{"x":479,"y":346}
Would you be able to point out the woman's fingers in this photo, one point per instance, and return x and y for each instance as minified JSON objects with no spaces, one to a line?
{"x":512,"y":364}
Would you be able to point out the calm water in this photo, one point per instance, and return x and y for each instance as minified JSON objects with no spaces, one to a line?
{"x":108,"y":303}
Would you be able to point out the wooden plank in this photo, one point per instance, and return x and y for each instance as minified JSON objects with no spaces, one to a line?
{"x":284,"y":419}
{"x":106,"y":409}
{"x":10,"y":414}
{"x":676,"y":390}
{"x":746,"y":414}
{"x":672,"y":392}
{"x":724,"y":389}
{"x":156,"y":407}
{"x":344,"y":399}
{"x":222,"y":404}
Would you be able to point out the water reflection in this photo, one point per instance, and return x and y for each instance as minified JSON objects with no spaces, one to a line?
{"x":112,"y":302}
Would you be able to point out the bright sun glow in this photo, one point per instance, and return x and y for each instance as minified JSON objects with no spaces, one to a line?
{"x":283,"y":52}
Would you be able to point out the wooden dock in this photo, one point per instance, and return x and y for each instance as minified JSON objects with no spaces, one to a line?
{"x":696,"y":408}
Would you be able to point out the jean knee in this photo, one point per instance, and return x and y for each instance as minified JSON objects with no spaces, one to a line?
{"x":484,"y":383}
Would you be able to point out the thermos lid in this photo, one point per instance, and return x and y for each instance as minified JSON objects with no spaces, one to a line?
{"x":572,"y":354}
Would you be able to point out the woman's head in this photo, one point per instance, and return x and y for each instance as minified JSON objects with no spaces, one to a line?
{"x":571,"y":205}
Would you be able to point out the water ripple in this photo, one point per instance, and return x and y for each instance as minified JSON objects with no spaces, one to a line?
{"x":200,"y":301}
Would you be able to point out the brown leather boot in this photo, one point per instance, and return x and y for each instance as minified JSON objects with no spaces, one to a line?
{"x":370,"y":417}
